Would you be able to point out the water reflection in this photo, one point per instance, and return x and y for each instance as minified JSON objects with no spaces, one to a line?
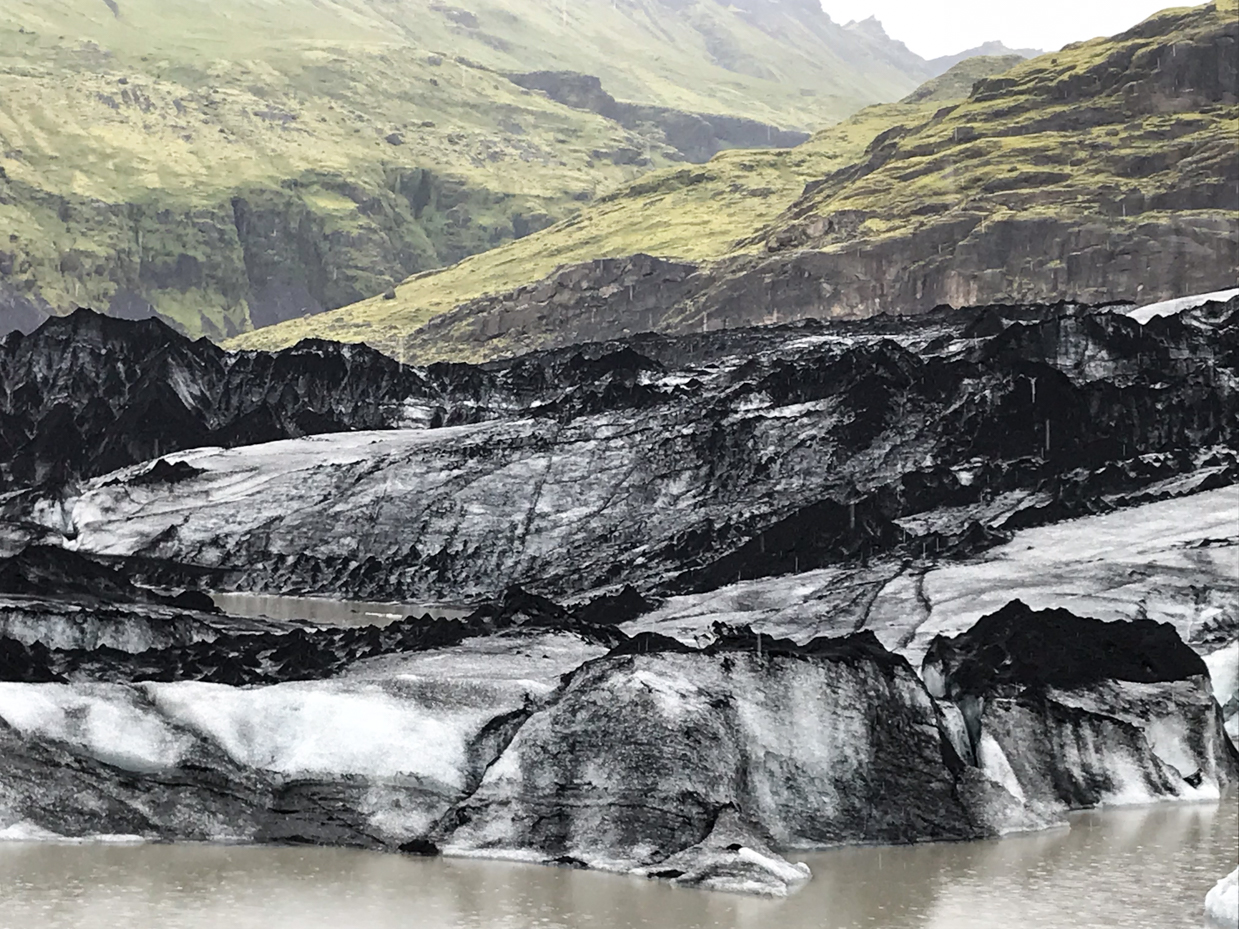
{"x":324,"y":612}
{"x":1132,"y":868}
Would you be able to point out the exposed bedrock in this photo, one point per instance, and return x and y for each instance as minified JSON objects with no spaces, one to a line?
{"x":699,"y":765}
{"x":972,"y":260}
{"x":696,"y":136}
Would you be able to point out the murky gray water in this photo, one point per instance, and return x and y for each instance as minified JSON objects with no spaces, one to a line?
{"x":1146,"y":868}
{"x":324,"y":612}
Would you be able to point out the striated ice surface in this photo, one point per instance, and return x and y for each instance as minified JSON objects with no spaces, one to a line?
{"x":1174,"y":561}
{"x":326,"y":728}
{"x":517,"y":663}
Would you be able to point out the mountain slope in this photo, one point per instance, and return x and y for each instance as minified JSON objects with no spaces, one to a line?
{"x":1107,"y":171}
{"x":689,"y":214}
{"x":946,"y":62}
{"x":245,"y":161}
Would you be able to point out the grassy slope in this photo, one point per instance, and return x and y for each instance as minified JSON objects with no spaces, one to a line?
{"x":956,"y":83}
{"x":291,"y":101}
{"x":194,"y":141}
{"x":694,"y":213}
{"x":1035,"y":142}
{"x":1015,"y":149}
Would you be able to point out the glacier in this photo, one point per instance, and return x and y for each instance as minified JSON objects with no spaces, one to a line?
{"x":723,"y":597}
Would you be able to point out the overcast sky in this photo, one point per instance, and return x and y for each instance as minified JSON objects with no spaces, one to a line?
{"x":942,"y":27}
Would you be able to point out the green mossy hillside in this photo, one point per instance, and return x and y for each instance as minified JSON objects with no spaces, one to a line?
{"x":1107,"y":170}
{"x":1145,"y":122}
{"x":691,"y":213}
{"x":236,"y":162}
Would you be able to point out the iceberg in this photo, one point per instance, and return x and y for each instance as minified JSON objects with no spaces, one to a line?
{"x":1222,"y":902}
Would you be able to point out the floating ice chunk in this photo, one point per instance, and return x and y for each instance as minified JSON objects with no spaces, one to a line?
{"x":1222,"y":902}
{"x":731,"y":859}
{"x":1170,"y":307}
{"x":109,"y":722}
{"x":779,"y":867}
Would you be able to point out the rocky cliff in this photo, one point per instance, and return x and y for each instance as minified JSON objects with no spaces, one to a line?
{"x":698,"y":137}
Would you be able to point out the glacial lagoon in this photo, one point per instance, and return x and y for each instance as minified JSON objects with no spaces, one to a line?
{"x":324,"y":611}
{"x":1136,"y":867}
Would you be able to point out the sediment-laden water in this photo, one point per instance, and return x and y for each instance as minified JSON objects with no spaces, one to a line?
{"x":1113,"y":869}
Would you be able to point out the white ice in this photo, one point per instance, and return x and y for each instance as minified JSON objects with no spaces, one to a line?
{"x":1173,"y":560}
{"x":109,"y":722}
{"x":324,"y":728}
{"x":1170,"y":307}
{"x":1223,"y":666}
{"x":518,"y":663}
{"x":1222,"y":902}
{"x":23,"y":831}
{"x":1158,"y":561}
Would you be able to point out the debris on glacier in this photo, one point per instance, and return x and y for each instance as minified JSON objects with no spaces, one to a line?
{"x":701,"y":572}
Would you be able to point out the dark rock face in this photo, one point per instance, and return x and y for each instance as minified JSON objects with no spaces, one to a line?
{"x":261,"y":255}
{"x":613,"y":297}
{"x":697,"y":137}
